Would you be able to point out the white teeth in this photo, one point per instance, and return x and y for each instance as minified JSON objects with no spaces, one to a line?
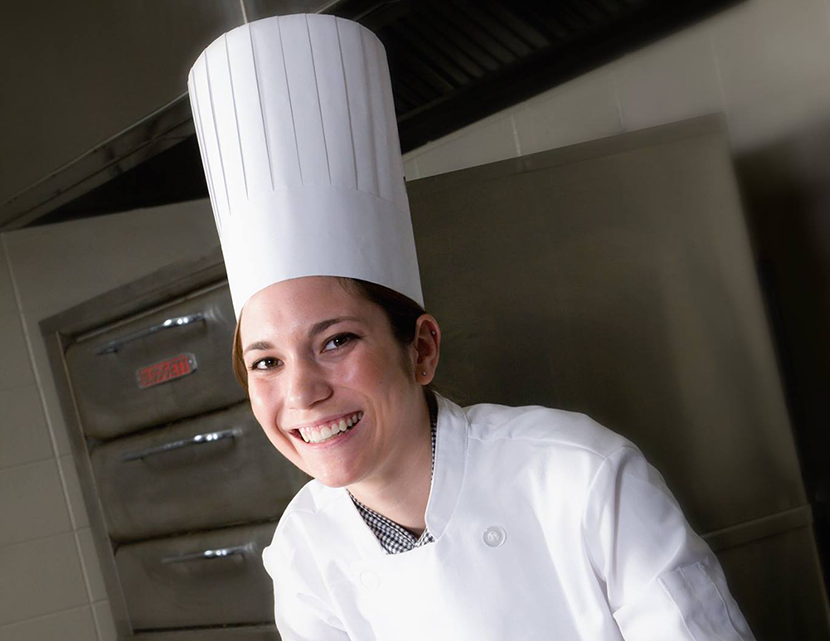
{"x":311,"y":435}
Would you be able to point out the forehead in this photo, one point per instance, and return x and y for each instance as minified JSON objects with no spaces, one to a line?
{"x":292,"y":306}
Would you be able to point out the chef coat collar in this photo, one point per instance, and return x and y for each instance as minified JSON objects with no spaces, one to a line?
{"x":450,"y":460}
{"x":447,"y":477}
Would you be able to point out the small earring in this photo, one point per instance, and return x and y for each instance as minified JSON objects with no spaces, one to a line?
{"x":432,"y":331}
{"x":423,"y":373}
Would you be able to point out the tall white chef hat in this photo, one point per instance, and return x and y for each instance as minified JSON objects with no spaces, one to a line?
{"x":297,"y":130}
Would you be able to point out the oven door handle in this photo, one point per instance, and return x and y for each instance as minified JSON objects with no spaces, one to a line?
{"x":204,"y":555}
{"x":171,"y":323}
{"x":199,"y":439}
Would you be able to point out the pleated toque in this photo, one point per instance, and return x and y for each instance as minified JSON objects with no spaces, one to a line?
{"x":298,"y":136}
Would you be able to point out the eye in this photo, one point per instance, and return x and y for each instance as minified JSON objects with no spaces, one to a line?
{"x":265,"y":363}
{"x":336,"y":342}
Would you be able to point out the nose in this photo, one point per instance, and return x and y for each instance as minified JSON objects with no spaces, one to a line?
{"x":307,"y":384}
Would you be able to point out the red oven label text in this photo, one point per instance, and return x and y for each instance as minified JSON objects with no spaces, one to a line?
{"x":167,"y":370}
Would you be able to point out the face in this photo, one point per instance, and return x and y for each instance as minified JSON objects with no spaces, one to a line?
{"x":334,"y":391}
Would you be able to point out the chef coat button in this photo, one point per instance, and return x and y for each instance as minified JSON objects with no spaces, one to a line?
{"x":369,"y":579}
{"x":494,"y":536}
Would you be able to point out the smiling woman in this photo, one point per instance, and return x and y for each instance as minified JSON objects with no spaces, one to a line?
{"x":315,"y":355}
{"x":425,"y":520}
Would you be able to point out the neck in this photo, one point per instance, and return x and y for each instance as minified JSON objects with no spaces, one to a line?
{"x":402,"y":491}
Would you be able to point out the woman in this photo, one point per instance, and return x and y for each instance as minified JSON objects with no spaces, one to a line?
{"x":425,"y":520}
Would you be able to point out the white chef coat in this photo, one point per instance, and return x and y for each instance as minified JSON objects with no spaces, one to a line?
{"x":547,"y":526}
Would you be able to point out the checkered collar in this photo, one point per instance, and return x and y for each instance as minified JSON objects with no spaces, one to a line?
{"x":449,"y":453}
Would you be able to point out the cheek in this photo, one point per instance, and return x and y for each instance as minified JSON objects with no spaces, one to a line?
{"x":265,"y":414}
{"x":370,"y":371}
{"x":258,"y":398}
{"x":262,"y":405}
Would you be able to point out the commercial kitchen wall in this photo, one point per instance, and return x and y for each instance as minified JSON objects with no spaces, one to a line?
{"x":765,"y":64}
{"x":50,"y":582}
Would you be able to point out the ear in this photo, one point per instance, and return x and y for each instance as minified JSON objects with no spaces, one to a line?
{"x":427,"y":348}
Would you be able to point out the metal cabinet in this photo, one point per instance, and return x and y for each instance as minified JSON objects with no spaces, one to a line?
{"x":203,"y":579}
{"x":182,"y":486}
{"x":203,"y":472}
{"x":156,"y":367}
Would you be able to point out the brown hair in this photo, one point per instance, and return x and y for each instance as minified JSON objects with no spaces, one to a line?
{"x":401,"y":311}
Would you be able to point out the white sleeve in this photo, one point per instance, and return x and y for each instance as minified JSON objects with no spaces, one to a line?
{"x":661,"y":579}
{"x":301,"y":607}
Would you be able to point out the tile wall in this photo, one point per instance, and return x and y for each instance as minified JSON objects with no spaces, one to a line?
{"x":50,"y":582}
{"x":764,"y":63}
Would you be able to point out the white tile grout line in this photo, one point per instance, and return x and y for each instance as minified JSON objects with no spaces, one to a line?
{"x":37,"y":539}
{"x":50,"y":425}
{"x":6,"y":626}
{"x":617,"y":102}
{"x":28,"y":338}
{"x":97,"y":622}
{"x":14,"y":388}
{"x":719,"y":74}
{"x":14,"y":466}
{"x":516,"y":140}
{"x":84,"y":571}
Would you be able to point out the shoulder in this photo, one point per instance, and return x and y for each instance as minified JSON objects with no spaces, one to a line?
{"x":313,"y":498}
{"x":549,"y":457}
{"x":304,"y":530}
{"x":311,"y":506}
{"x":543,"y":427}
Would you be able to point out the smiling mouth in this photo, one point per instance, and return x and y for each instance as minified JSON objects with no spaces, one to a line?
{"x":323,"y":433}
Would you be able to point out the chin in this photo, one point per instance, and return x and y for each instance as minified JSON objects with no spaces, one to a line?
{"x":331,"y":483}
{"x":333,"y":478}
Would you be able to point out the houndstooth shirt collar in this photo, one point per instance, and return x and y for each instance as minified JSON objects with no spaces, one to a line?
{"x":393,"y":538}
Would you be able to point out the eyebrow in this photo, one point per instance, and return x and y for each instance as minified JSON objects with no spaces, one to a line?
{"x":315,"y":329}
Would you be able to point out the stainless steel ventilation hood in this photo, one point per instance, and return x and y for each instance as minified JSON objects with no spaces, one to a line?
{"x":452,"y":63}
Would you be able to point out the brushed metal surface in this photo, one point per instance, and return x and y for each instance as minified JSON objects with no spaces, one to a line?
{"x":109,"y":399}
{"x":150,"y":136}
{"x":209,"y":485}
{"x":156,"y":289}
{"x":86,"y":71}
{"x":766,"y":526}
{"x":616,"y":278}
{"x":777,"y":582}
{"x":219,"y":591}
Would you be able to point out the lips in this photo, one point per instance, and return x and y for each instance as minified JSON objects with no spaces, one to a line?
{"x":326,"y":431}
